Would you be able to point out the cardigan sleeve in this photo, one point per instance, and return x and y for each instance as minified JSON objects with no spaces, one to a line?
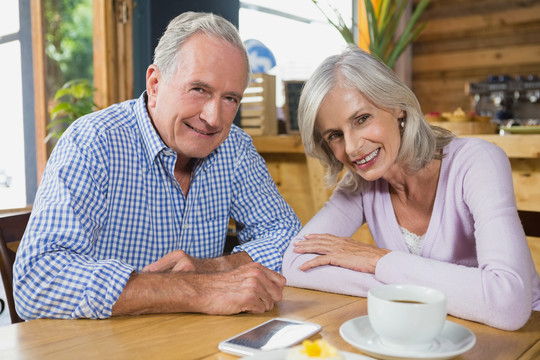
{"x":342,"y":215}
{"x":498,"y":290}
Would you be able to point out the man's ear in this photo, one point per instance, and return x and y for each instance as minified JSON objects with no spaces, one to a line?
{"x":153,"y":78}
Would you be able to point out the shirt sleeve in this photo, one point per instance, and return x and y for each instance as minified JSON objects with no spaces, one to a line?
{"x":340,"y":216}
{"x":265,"y":221}
{"x":55,"y":273}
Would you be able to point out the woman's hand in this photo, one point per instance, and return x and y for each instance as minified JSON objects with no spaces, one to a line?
{"x":339,"y":251}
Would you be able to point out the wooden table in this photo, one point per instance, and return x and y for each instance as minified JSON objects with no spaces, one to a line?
{"x":196,"y":336}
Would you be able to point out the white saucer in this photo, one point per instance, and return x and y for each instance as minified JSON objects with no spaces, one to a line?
{"x":453,"y":341}
{"x":281,"y":354}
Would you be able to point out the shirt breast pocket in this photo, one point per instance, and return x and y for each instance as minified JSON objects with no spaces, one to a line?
{"x":213,"y":208}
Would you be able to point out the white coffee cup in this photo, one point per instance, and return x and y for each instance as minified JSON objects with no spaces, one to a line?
{"x":406,"y":317}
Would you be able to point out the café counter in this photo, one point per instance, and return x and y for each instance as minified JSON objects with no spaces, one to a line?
{"x":301,"y":180}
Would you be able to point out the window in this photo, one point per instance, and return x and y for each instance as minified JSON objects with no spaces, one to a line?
{"x":30,"y":80}
{"x":296,"y":32}
{"x":17,"y":184}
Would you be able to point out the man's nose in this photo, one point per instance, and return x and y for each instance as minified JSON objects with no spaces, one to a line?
{"x":211,"y":112}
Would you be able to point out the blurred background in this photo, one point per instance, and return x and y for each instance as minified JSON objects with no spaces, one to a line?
{"x":481,"y":57}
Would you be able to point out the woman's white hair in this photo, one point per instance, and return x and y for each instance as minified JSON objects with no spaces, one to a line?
{"x":359,"y":71}
{"x":186,"y":25}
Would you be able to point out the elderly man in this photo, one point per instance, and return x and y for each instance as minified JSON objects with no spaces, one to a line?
{"x":132,"y":212}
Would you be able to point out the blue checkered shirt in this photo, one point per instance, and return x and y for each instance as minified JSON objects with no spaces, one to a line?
{"x":109,"y":204}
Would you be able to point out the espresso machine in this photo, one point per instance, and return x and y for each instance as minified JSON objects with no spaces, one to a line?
{"x":507,"y":100}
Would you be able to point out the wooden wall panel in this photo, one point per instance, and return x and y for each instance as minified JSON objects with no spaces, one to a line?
{"x":466,"y":41}
{"x":290,"y":173}
{"x":112,"y":51}
{"x":526,"y":176}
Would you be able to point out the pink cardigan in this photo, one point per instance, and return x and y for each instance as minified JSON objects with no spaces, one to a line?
{"x":474,"y":250}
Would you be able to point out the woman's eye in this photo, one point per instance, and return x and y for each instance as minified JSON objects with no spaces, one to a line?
{"x":361,"y":119}
{"x":333,"y":136}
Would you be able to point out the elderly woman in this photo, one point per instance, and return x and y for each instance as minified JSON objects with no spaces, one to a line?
{"x":441,"y":210}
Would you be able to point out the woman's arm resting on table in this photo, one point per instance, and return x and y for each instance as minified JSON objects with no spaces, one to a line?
{"x":341,"y":216}
{"x":329,"y":278}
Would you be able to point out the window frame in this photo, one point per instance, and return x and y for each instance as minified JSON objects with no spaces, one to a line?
{"x":112,"y":56}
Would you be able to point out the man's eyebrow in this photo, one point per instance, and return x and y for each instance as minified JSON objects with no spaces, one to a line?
{"x":201,"y":84}
{"x":236,"y":95}
{"x":207,"y":86}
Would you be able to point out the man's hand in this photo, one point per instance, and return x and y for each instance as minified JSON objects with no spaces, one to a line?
{"x":249,"y":288}
{"x":175,"y":261}
{"x":179,"y":261}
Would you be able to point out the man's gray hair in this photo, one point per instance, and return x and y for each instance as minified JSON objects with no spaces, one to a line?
{"x":186,"y":25}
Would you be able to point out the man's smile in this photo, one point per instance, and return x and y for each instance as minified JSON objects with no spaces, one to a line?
{"x":200,"y":131}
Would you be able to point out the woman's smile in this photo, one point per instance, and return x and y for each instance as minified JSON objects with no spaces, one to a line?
{"x":368,"y":159}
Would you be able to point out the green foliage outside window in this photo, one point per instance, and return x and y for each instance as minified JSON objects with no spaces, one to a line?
{"x":73,"y":100}
{"x":68,"y":41}
{"x":69,"y":63}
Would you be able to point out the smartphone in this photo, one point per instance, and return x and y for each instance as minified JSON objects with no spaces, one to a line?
{"x":273,"y":334}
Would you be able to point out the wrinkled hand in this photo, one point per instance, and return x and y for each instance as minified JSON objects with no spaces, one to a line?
{"x":339,"y":251}
{"x":250,"y":288}
{"x":176,"y":261}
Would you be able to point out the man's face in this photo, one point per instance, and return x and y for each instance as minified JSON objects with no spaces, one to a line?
{"x":193,"y":110}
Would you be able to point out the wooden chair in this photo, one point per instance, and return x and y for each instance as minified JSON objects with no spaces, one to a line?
{"x":12,"y":228}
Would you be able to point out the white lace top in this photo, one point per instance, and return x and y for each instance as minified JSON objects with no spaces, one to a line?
{"x":414,"y":242}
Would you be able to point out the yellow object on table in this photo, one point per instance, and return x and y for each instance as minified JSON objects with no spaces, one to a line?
{"x":457,"y":116}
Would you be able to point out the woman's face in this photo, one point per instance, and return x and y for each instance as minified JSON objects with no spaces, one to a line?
{"x":365,"y":138}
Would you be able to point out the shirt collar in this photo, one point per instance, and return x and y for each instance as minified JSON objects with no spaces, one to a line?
{"x":151,"y":140}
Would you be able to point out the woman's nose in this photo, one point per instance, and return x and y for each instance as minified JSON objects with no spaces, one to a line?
{"x":353,"y":143}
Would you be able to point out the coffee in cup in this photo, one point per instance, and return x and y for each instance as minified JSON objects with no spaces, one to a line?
{"x":407,"y":317}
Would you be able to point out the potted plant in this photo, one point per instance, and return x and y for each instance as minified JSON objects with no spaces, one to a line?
{"x":74,"y":99}
{"x":382,"y":23}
